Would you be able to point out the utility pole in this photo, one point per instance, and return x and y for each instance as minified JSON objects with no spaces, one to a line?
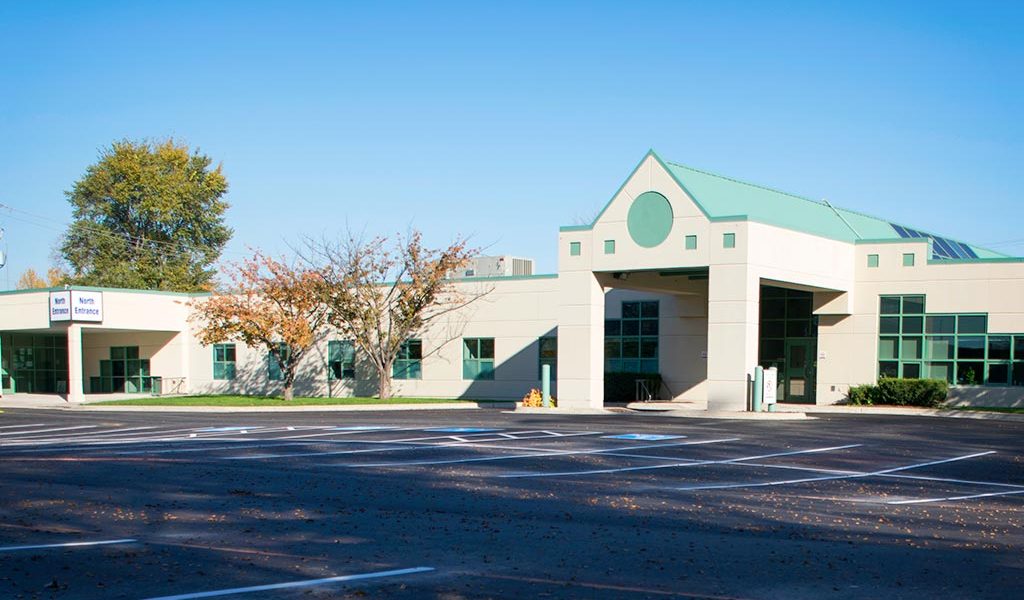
{"x":3,"y":260}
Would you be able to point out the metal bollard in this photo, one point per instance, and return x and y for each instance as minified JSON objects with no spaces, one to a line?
{"x":545,"y":386}
{"x":755,"y":404}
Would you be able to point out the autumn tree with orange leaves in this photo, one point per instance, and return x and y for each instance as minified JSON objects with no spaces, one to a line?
{"x":269,"y":304}
{"x":380,"y":293}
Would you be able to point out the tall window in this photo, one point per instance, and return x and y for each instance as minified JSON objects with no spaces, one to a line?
{"x":478,"y":358}
{"x":273,"y":366}
{"x":341,"y":359}
{"x":548,"y":355}
{"x":224,"y":361}
{"x":954,"y":347}
{"x":631,"y":343}
{"x":124,"y":372}
{"x":785,"y":314}
{"x":409,"y":364}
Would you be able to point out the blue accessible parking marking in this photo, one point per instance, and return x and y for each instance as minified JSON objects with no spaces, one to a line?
{"x":461,"y":430}
{"x":647,"y":437}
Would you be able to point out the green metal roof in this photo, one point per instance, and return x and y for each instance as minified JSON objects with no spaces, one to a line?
{"x":725,"y":198}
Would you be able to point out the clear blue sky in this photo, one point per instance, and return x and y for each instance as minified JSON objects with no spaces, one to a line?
{"x":503,"y":122}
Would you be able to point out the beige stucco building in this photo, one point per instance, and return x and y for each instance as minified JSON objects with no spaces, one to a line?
{"x":685,"y":282}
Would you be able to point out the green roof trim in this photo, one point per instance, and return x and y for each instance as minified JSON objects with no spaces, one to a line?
{"x":723,"y":198}
{"x":506,"y":277}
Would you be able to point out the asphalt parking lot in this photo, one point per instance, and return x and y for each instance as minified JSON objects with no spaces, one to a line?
{"x":486,"y":504}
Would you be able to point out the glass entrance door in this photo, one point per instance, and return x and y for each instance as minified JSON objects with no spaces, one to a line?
{"x":799,"y":371}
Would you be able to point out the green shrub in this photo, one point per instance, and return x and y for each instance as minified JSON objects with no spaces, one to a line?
{"x":621,"y":387}
{"x":863,"y":395}
{"x":929,"y":393}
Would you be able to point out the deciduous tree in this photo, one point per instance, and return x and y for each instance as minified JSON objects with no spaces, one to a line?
{"x":381,"y":293}
{"x":269,"y":304}
{"x":32,"y":280}
{"x":147,"y":215}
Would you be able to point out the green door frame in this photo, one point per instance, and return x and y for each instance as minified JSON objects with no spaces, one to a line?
{"x":799,"y":370}
{"x":7,"y":384}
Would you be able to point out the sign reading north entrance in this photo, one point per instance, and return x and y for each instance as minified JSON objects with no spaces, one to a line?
{"x":75,"y":305}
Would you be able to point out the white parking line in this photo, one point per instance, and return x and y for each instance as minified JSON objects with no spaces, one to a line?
{"x":408,"y":444}
{"x":678,"y":464}
{"x":296,"y":584}
{"x":950,"y":498}
{"x":66,"y":545}
{"x":29,"y":425}
{"x":47,"y":430}
{"x":855,"y":475}
{"x":77,"y":436}
{"x":608,"y":451}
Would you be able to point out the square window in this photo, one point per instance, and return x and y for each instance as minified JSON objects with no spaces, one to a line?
{"x":729,"y":240}
{"x":889,"y":369}
{"x":913,"y":305}
{"x":971,"y":347}
{"x":575,"y":248}
{"x":940,"y":347}
{"x":910,"y":348}
{"x":691,"y":242}
{"x":612,"y":348}
{"x":872,"y":261}
{"x":969,"y":373}
{"x":609,"y":246}
{"x":890,"y":305}
{"x":999,"y":347}
{"x":908,"y":259}
{"x":940,"y":370}
{"x":911,"y":370}
{"x":998,"y":373}
{"x":913,"y":324}
{"x":971,"y":324}
{"x":889,"y":324}
{"x":888,"y":348}
{"x":773,"y":329}
{"x":478,"y":358}
{"x":649,"y":309}
{"x":940,"y":324}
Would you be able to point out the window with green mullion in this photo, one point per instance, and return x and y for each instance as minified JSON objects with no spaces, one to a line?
{"x":478,"y":358}
{"x":409,"y":363}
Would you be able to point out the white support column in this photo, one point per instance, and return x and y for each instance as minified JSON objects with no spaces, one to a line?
{"x":76,"y":381}
{"x":580,"y":340}
{"x":733,"y":304}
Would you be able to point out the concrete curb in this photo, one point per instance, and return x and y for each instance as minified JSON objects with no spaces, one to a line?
{"x":531,"y":410}
{"x":905,"y":411}
{"x":737,"y":415}
{"x":283,"y":409}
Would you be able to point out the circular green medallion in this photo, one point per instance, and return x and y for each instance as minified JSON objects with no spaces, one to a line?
{"x":650,"y":219}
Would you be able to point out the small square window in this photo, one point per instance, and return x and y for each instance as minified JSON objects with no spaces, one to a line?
{"x":873,"y":261}
{"x":729,"y":240}
{"x":908,"y":259}
{"x":609,"y":246}
{"x":575,"y":248}
{"x":691,"y":242}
